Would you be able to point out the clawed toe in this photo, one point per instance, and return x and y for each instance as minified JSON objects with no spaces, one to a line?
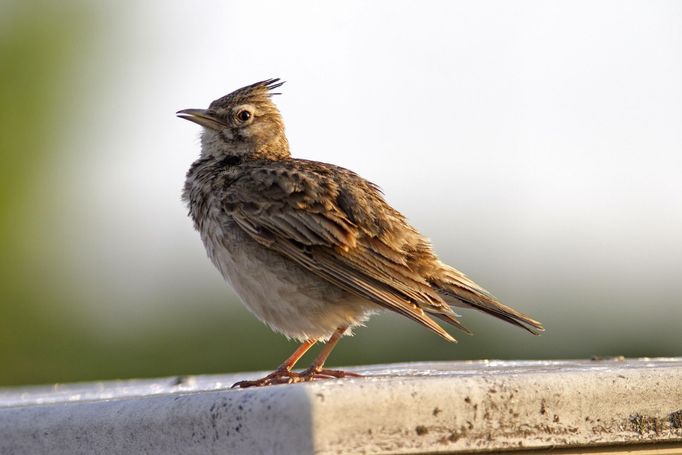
{"x":281,"y":376}
{"x":312,"y":374}
{"x":289,"y":377}
{"x":328,"y":374}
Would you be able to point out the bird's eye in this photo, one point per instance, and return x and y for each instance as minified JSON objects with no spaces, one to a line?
{"x":243,"y":116}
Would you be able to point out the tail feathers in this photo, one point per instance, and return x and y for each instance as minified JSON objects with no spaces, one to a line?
{"x":452,"y":320}
{"x":458,"y":290}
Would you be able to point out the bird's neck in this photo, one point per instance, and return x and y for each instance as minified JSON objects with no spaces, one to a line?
{"x":275,"y":148}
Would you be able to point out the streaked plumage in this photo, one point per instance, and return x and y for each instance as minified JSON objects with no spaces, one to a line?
{"x":311,"y":247}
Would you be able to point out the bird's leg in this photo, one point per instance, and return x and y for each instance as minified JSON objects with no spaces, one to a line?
{"x":317,"y":371}
{"x":283,"y":374}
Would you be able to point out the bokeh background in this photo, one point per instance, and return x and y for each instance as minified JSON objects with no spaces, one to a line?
{"x":538,"y":144}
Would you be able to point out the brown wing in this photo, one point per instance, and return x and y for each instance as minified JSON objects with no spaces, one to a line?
{"x":336,"y":224}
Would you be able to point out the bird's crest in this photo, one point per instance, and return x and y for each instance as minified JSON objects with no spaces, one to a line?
{"x":250,"y":93}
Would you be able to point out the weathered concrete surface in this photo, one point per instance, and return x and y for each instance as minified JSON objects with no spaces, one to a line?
{"x":408,"y":408}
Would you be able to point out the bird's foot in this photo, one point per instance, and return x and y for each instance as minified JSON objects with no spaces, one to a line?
{"x":284,"y":376}
{"x":313,"y":373}
{"x":279,"y":376}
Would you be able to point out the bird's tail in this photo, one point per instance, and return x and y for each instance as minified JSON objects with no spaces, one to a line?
{"x":458,"y":290}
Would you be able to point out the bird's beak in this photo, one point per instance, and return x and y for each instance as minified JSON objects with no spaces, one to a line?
{"x":202,"y":117}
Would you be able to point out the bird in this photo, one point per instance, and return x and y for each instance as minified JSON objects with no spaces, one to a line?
{"x":312,"y":249}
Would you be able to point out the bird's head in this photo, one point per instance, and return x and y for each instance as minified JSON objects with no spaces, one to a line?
{"x":245,"y":124}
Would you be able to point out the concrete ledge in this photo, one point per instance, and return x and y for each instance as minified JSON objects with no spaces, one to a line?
{"x":405,"y":408}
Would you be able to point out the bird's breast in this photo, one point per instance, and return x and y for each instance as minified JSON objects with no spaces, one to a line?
{"x":278,"y":291}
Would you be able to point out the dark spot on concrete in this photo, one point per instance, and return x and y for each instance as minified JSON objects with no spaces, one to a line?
{"x":467,"y":400}
{"x":421,"y":430}
{"x":543,"y":408}
{"x":645,"y":424}
{"x":454,"y":437}
{"x":437,"y":411}
{"x":556,"y":418}
{"x":676,"y":419}
{"x":601,"y":358}
{"x":180,"y":380}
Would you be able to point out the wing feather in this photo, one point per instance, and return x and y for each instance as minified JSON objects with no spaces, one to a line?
{"x":306,"y":223}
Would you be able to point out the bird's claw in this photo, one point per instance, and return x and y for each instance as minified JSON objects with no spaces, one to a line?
{"x":284,"y":376}
{"x":329,"y":374}
{"x":279,"y":376}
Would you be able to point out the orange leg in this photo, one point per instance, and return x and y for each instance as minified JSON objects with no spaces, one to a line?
{"x":283,"y":374}
{"x":289,"y":363}
{"x":317,"y":371}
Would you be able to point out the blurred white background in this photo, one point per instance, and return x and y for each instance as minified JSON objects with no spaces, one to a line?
{"x":536,"y":143}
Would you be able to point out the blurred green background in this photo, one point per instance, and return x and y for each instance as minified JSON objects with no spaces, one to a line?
{"x":102,"y":276}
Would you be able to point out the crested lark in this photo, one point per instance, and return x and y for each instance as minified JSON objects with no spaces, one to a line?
{"x":311,"y":248}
